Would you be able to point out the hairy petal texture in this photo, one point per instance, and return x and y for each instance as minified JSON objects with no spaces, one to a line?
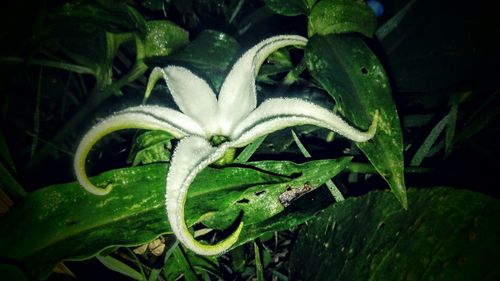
{"x":138,"y":117}
{"x":192,"y":95}
{"x":233,"y":115}
{"x":237,"y":97}
{"x":192,"y":155}
{"x":279,"y":113}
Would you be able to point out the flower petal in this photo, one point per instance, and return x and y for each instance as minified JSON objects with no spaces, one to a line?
{"x":191,"y":93}
{"x":280,"y":113}
{"x":192,"y":155}
{"x":138,"y":117}
{"x":237,"y":97}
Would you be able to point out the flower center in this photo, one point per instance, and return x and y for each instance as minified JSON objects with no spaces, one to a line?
{"x":218,"y":140}
{"x":228,"y":157}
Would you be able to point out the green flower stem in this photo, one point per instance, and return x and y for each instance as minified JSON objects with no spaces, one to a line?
{"x":294,"y":74}
{"x":227,"y":158}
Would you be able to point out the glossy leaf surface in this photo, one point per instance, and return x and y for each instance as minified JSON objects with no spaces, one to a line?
{"x":349,"y":71}
{"x":341,"y":16}
{"x":446,"y":234}
{"x":290,"y":7}
{"x":66,"y":222}
{"x":163,"y":37}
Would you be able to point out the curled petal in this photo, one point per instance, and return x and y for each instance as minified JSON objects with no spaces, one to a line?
{"x":192,"y":155}
{"x":237,"y":97}
{"x":280,"y":113}
{"x":191,"y":93}
{"x":139,"y":117}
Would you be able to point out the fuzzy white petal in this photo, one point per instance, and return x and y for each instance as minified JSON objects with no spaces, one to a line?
{"x":138,"y":117}
{"x":191,"y":155}
{"x":280,"y":113}
{"x":237,"y":97}
{"x":191,"y":93}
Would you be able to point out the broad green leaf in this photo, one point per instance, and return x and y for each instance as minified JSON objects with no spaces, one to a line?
{"x":290,"y":7}
{"x":349,"y":71}
{"x":150,"y":147}
{"x":211,"y":53}
{"x":163,"y":37}
{"x":63,"y":222}
{"x":258,"y":200}
{"x":447,"y":234}
{"x":10,"y":272}
{"x":341,"y":16}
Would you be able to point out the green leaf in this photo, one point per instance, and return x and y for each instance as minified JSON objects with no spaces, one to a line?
{"x":8,"y":181}
{"x":211,"y":53}
{"x":481,"y":118}
{"x":249,"y":150}
{"x":429,"y":141}
{"x":150,"y":147}
{"x":349,"y":71}
{"x":188,"y":264}
{"x":120,"y":267}
{"x":341,"y":16}
{"x":64,"y":222}
{"x":154,"y":5}
{"x":5,"y":155}
{"x":452,"y":121}
{"x":259,"y":201}
{"x":447,"y":234}
{"x":290,"y":7}
{"x":259,"y":270}
{"x":9,"y":184}
{"x":163,"y":37}
{"x":104,"y":25}
{"x":115,"y":16}
{"x":10,"y":272}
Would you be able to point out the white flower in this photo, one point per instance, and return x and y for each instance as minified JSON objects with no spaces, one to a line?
{"x":204,"y":118}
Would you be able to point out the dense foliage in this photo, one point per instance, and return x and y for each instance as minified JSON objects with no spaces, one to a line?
{"x":430,"y":68}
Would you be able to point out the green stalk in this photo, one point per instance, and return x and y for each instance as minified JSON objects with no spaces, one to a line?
{"x":334,"y":190}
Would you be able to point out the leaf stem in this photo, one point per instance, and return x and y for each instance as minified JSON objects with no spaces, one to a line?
{"x":334,"y":190}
